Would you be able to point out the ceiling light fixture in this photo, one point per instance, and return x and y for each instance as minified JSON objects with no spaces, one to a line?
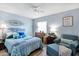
{"x":37,"y":9}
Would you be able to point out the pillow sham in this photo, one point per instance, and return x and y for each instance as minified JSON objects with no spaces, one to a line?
{"x":10,"y":36}
{"x":15,"y":35}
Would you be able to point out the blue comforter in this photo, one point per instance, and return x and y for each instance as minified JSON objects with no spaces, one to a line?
{"x":19,"y":47}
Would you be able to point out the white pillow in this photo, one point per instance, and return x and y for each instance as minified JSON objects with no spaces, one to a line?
{"x":8,"y":34}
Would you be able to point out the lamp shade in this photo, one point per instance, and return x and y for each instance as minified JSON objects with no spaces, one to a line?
{"x":3,"y":26}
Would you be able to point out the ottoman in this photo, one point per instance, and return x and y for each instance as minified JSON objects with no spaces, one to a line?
{"x":53,"y":50}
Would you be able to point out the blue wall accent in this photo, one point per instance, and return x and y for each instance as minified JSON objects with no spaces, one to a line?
{"x":56,"y":19}
{"x":4,"y":16}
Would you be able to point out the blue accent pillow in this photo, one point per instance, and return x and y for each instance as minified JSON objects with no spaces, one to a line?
{"x":21,"y":34}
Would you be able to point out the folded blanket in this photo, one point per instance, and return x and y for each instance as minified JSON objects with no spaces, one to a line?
{"x":64,"y":51}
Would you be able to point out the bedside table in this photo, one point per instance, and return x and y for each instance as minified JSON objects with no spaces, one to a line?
{"x":2,"y":46}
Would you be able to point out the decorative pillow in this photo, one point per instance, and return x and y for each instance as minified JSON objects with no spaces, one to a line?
{"x":15,"y":35}
{"x":10,"y":36}
{"x":21,"y":34}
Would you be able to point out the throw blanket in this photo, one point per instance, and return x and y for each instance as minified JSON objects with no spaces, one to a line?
{"x":64,"y":51}
{"x":10,"y":43}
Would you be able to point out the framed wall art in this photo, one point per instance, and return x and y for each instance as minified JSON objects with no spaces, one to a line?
{"x":15,"y":22}
{"x":68,"y":21}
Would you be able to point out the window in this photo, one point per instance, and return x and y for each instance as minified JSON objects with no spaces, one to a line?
{"x":42,"y":26}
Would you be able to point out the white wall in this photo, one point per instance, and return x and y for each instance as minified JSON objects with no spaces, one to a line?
{"x":4,"y":16}
{"x":57,"y":19}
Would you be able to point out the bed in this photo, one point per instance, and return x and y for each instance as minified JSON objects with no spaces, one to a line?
{"x":21,"y":47}
{"x":21,"y":44}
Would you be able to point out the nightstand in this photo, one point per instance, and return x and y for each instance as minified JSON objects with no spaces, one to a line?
{"x":2,"y":46}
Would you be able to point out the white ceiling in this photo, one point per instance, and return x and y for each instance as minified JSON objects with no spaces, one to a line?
{"x":43,"y":9}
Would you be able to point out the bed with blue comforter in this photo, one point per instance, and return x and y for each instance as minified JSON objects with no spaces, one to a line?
{"x":23,"y":46}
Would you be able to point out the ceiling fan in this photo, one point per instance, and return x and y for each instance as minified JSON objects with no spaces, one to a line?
{"x":37,"y":9}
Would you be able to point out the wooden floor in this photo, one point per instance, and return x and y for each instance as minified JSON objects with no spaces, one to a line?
{"x":38,"y":52}
{"x":3,"y":53}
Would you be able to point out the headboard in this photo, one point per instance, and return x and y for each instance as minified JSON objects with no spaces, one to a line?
{"x":16,"y":32}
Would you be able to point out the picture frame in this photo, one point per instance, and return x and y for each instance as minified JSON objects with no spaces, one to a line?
{"x":68,"y":21}
{"x":15,"y":22}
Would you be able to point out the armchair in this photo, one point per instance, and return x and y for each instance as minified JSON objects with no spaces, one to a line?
{"x":72,"y":44}
{"x":73,"y":38}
